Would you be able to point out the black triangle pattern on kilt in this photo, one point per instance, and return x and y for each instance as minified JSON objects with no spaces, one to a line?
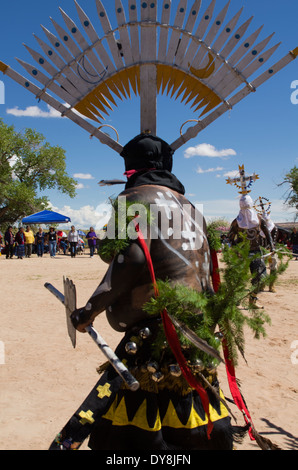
{"x":91,"y":417}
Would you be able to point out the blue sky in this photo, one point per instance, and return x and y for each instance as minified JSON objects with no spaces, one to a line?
{"x":260,"y":132}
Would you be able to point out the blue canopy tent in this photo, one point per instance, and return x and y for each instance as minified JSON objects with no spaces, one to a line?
{"x":46,"y":217}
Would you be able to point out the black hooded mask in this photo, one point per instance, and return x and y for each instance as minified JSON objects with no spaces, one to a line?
{"x":152,"y":158}
{"x":147,"y":151}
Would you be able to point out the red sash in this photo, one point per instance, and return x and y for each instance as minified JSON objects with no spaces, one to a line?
{"x":173,"y":339}
{"x":236,"y":394}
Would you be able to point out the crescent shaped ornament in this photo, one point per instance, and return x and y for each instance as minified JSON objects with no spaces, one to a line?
{"x":196,"y":55}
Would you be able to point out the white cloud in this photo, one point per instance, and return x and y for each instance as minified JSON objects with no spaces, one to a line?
{"x":34,"y":111}
{"x":86,"y":216}
{"x":13,"y":160}
{"x":83,"y":176}
{"x":232,"y":174}
{"x":208,"y":150}
{"x":80,"y":186}
{"x":209,"y":170}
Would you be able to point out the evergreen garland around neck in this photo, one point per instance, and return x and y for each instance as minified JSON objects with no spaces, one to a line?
{"x":121,"y":227}
{"x":227,"y":311}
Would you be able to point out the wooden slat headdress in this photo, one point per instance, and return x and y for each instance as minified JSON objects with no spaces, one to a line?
{"x":203,"y":59}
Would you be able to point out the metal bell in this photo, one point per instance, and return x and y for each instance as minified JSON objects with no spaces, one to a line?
{"x":144,"y":333}
{"x":152,"y":366}
{"x":198,"y":365}
{"x":131,"y":348}
{"x":174,"y":370}
{"x":219,"y":336}
{"x":213,"y":366}
{"x":157,"y":376}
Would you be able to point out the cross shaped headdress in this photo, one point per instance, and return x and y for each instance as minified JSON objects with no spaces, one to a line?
{"x":243,"y":181}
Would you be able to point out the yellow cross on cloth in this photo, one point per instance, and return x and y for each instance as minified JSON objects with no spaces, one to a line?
{"x":104,"y":390}
{"x":86,"y":417}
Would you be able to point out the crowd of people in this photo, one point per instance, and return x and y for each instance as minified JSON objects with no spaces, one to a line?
{"x":24,"y":242}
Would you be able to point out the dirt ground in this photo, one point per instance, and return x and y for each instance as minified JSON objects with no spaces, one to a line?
{"x":43,"y":380}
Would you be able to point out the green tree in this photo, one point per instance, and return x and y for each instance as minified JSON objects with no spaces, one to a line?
{"x":29,"y":166}
{"x":291,"y":179}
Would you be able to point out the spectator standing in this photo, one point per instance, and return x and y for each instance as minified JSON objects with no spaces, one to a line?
{"x":294,"y":242}
{"x":29,"y":240}
{"x":9,"y":241}
{"x":73,"y":238}
{"x":20,"y":243}
{"x":52,"y":240}
{"x":39,"y":240}
{"x":91,"y":237}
